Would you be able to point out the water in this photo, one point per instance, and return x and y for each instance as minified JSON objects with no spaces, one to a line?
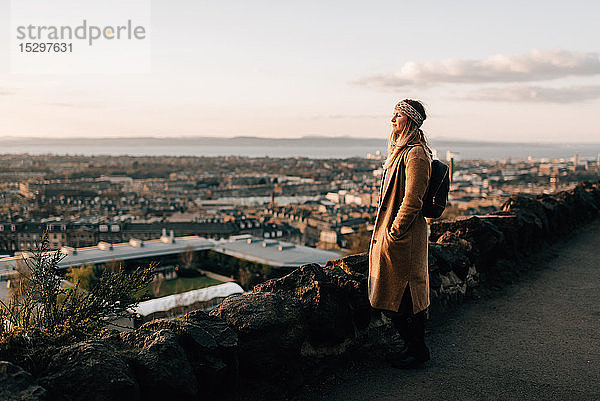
{"x":311,"y":147}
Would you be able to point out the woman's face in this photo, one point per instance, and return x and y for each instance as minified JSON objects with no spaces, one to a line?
{"x":398,"y":122}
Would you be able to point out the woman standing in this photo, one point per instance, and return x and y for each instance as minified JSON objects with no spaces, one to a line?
{"x":398,"y":266}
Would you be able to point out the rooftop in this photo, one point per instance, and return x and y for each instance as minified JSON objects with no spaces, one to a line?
{"x":272,"y":252}
{"x":134,"y":249}
{"x":247,"y":247}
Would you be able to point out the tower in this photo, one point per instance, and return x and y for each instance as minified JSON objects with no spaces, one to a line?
{"x":554,"y":180}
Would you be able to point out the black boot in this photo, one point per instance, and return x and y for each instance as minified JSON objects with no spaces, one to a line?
{"x":415,"y":357}
{"x":401,"y":323}
{"x":417,"y":352}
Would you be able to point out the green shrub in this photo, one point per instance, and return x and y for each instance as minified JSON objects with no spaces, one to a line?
{"x":42,"y":304}
{"x":84,"y":275}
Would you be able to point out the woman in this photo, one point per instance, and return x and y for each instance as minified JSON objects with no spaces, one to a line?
{"x":398,"y":267}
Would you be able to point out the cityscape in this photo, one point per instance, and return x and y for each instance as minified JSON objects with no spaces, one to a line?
{"x":322,"y":203}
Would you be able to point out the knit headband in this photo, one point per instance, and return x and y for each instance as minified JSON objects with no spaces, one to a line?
{"x":410,"y":111}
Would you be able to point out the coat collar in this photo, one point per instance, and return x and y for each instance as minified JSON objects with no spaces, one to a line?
{"x":393,"y":169}
{"x":385,"y":184}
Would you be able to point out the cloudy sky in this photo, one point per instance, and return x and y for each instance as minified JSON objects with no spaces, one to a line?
{"x":514,"y":71}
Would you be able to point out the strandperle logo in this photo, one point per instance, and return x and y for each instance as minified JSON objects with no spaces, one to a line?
{"x":85,"y":31}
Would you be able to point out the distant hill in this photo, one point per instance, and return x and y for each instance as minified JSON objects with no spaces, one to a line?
{"x":307,"y":146}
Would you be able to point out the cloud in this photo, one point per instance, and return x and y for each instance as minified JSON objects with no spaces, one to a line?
{"x":62,"y":104}
{"x":90,"y":105}
{"x":535,"y":94}
{"x":537,"y":65}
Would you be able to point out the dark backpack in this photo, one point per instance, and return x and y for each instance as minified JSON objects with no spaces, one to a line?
{"x":436,"y":196}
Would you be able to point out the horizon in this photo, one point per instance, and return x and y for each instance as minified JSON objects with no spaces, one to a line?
{"x":313,"y":147}
{"x":304,"y":137}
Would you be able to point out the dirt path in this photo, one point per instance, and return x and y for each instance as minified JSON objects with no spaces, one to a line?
{"x":539,"y":339}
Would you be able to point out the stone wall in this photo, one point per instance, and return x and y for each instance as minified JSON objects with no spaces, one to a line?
{"x":289,"y":329}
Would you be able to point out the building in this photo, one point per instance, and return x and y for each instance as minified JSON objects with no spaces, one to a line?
{"x":134,"y":252}
{"x":169,"y":249}
{"x":23,"y":236}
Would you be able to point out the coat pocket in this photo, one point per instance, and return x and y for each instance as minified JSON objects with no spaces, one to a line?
{"x":393,"y":239}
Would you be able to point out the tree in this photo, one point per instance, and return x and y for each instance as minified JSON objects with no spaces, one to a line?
{"x":84,"y":275}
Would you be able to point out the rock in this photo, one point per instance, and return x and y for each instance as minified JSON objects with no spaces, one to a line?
{"x":89,"y":370}
{"x":217,"y":327}
{"x":355,"y":265}
{"x":487,"y":241}
{"x":325,"y":306}
{"x":448,"y":289}
{"x":526,"y":203}
{"x":558,"y":215}
{"x":161,"y":366}
{"x":354,"y":287}
{"x":593,"y":189}
{"x":209,"y":345}
{"x":579,"y":203}
{"x":472,"y":279}
{"x":523,"y":230}
{"x":18,"y":385}
{"x":270,"y":333}
{"x":452,"y":254}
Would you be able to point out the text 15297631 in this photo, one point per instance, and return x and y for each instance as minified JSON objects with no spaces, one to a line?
{"x":45,"y":47}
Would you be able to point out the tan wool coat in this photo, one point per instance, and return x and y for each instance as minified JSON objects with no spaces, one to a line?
{"x":398,"y":250}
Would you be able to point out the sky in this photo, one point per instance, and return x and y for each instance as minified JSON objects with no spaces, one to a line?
{"x":491,"y":71}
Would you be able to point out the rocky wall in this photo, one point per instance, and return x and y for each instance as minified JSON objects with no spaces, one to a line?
{"x":289,"y":329}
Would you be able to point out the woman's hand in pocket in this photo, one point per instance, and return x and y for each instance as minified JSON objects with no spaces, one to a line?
{"x":393,"y":237}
